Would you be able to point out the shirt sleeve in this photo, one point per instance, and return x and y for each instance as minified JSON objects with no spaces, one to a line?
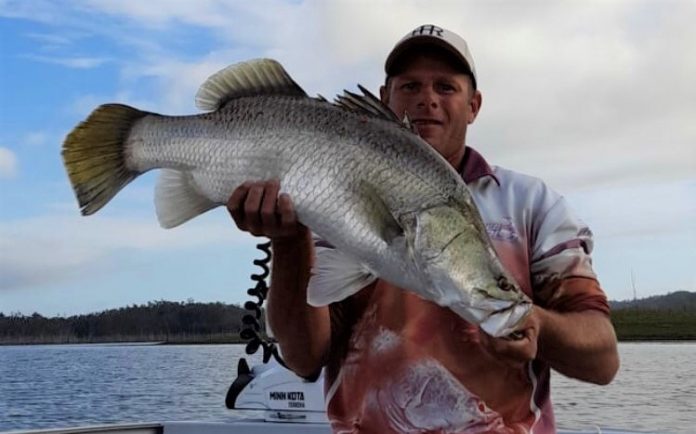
{"x":561,"y":262}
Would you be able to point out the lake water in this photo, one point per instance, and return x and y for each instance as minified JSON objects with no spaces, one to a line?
{"x":67,"y":385}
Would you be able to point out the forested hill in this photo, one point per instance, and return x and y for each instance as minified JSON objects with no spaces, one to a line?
{"x":671,"y":316}
{"x":162,"y":321}
{"x":680,"y":300}
{"x":661,"y":317}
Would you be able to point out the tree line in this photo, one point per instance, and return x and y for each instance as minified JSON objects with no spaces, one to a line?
{"x":164,"y":321}
{"x":644,"y":324}
{"x":661,"y":317}
{"x":670,"y":316}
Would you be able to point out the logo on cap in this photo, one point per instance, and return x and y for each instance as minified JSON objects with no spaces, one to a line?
{"x":428,"y":30}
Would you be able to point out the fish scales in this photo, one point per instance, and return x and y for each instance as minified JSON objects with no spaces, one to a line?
{"x":320,"y":168}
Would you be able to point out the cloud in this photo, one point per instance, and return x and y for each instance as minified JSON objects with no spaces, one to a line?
{"x":50,"y":40}
{"x":8,"y":163}
{"x":36,"y":138}
{"x":159,"y":13}
{"x":176,"y":82}
{"x":646,"y":210}
{"x":70,"y":62}
{"x":47,"y":249}
{"x":44,"y":11}
{"x":591,"y":96}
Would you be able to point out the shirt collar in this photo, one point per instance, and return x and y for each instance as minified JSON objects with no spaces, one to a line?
{"x":474,"y":166}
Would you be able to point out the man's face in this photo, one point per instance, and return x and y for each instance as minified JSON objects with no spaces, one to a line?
{"x":439,"y":100}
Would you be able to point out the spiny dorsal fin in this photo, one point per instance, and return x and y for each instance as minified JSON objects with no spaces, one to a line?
{"x":406,"y":121}
{"x":253,"y":77}
{"x":367,"y":104}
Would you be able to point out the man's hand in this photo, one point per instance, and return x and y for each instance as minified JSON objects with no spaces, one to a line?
{"x":519,"y":348}
{"x":257,"y":208}
{"x":579,"y":345}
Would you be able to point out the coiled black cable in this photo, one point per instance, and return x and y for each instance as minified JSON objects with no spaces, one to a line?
{"x":252,"y":321}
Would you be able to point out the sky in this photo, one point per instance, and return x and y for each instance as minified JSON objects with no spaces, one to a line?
{"x":595,"y":97}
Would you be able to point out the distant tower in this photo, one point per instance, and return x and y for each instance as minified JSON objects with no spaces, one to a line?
{"x":633,"y":285}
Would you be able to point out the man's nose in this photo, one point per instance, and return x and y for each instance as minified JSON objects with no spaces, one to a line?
{"x":427,"y":98}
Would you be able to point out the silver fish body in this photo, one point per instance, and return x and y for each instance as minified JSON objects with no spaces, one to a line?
{"x":389,"y":204}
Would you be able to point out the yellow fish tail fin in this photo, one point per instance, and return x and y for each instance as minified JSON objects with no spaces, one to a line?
{"x":93,"y":154}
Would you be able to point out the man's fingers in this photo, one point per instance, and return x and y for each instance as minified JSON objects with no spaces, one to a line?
{"x":257,"y":208}
{"x":269,"y":206}
{"x":235,"y":205}
{"x":252,"y":204}
{"x":286,"y":209}
{"x":515,"y":350}
{"x":523,"y":348}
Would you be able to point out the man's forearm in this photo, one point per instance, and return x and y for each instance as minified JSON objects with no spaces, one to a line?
{"x":580,"y":345}
{"x":303,"y":331}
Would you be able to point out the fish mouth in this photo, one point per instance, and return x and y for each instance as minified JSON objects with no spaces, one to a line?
{"x":504,"y":321}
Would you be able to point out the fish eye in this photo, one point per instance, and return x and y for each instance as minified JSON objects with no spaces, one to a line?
{"x":504,"y":284}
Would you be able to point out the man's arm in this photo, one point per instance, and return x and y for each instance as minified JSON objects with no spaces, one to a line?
{"x":580,"y":345}
{"x":303,"y":332}
{"x":575,"y":335}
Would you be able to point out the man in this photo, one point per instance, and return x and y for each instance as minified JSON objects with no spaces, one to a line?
{"x":398,"y":363}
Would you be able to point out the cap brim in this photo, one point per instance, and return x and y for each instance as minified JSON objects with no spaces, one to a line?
{"x":421,"y":41}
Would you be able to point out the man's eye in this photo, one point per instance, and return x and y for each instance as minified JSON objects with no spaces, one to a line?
{"x":447,"y":88}
{"x":409,"y":86}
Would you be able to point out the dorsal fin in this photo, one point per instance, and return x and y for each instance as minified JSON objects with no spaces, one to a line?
{"x":406,"y":121}
{"x":253,"y":77}
{"x":367,"y":104}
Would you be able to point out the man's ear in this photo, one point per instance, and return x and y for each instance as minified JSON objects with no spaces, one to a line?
{"x":384,"y":94}
{"x":475,"y":106}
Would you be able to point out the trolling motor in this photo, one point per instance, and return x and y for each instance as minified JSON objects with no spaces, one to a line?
{"x":271,"y":386}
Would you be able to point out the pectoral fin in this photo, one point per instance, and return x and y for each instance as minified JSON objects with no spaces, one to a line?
{"x":336,"y":276}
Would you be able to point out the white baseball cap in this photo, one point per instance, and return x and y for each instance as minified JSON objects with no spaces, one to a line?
{"x":429,"y":34}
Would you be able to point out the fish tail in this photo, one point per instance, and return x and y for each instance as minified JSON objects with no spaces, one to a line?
{"x":93,"y":154}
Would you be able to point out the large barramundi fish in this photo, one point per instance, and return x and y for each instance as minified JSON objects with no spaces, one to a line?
{"x":359,"y":177}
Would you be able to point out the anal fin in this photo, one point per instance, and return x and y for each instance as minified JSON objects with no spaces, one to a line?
{"x":177,"y":200}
